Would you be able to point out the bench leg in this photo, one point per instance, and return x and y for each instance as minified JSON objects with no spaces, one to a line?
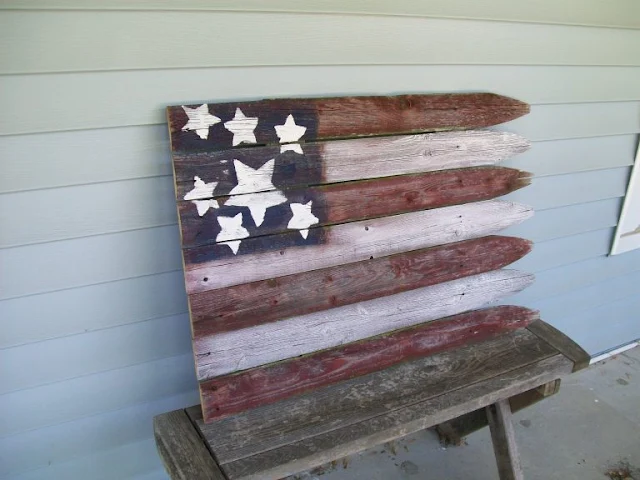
{"x":504,"y":442}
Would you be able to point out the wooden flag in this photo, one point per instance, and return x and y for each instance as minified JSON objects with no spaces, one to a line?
{"x":329,"y":238}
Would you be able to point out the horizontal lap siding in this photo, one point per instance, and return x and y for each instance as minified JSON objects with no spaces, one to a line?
{"x":143,"y":43}
{"x":575,"y":12}
{"x":92,"y":278}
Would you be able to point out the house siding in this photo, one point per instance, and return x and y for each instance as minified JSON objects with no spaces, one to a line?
{"x":94,"y":331}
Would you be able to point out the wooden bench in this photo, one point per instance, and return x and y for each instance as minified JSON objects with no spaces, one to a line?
{"x":339,"y":260}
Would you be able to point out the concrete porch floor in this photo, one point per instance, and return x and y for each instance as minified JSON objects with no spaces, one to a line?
{"x":590,"y":430}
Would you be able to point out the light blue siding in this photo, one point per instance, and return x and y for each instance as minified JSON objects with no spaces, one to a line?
{"x":94,"y":332}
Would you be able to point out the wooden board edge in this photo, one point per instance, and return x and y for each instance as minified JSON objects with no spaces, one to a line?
{"x":562,"y":343}
{"x":183,"y":452}
{"x":454,"y":431}
{"x":541,"y":372}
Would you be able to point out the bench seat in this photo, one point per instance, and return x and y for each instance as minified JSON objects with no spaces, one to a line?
{"x":302,"y":432}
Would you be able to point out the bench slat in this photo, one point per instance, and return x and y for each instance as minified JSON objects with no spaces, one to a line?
{"x":346,"y":202}
{"x":362,"y":398}
{"x":249,"y":347}
{"x":271,"y":256}
{"x":223,"y":125}
{"x":265,"y":301}
{"x":347,"y":160}
{"x":226,"y":395}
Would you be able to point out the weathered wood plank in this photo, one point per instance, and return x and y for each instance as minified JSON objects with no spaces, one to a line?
{"x":308,"y":415}
{"x":564,"y":344}
{"x":261,"y":344}
{"x":348,"y":160}
{"x":249,"y":304}
{"x":207,"y":268}
{"x":311,"y":452}
{"x":454,"y":431}
{"x":343,"y":202}
{"x":504,"y":440}
{"x":223,"y":396}
{"x":341,"y":442}
{"x":223,"y":125}
{"x":182,"y":450}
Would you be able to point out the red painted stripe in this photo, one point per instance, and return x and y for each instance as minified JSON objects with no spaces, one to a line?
{"x":224,"y":396}
{"x":345,"y":117}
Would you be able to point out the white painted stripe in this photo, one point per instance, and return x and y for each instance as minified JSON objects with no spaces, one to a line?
{"x":362,"y":158}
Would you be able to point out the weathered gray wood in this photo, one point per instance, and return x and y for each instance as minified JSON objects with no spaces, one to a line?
{"x":182,"y":450}
{"x":563,"y":343}
{"x":356,"y":241}
{"x":504,"y":441}
{"x":346,"y":440}
{"x":270,"y":342}
{"x":356,"y":400}
{"x":454,"y":431}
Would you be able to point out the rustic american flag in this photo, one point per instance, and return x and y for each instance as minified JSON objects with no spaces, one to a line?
{"x":308,"y":224}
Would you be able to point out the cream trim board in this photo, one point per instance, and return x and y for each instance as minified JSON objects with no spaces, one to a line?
{"x":627,"y":235}
{"x":611,"y":13}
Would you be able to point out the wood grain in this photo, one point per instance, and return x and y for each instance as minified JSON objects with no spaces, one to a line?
{"x":182,"y":450}
{"x":353,"y":401}
{"x":311,"y":452}
{"x":223,"y":396}
{"x":504,"y":440}
{"x":354,"y":159}
{"x":249,"y":347}
{"x":563,"y":343}
{"x":271,"y":256}
{"x":345,"y":117}
{"x":249,"y":304}
{"x":358,"y":200}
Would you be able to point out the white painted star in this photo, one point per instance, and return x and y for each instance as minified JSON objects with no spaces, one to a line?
{"x":242,"y":128}
{"x":302,"y":218}
{"x":255,"y":190}
{"x":289,"y":131}
{"x":252,"y":180}
{"x":200,"y":189}
{"x":294,"y":147}
{"x":204,"y":205}
{"x":199,"y":120}
{"x":231,"y":232}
